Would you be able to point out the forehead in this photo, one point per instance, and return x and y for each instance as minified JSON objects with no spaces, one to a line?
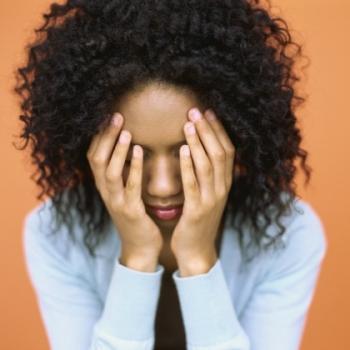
{"x":155,"y":116}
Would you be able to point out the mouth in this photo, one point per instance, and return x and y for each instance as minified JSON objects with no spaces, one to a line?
{"x":166,"y":213}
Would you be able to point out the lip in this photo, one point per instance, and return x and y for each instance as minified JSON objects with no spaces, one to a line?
{"x":165,"y":208}
{"x":166,"y":213}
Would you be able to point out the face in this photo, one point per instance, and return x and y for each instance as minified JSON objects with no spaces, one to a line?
{"x":155,"y":118}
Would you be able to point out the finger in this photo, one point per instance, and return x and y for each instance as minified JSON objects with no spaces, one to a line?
{"x":98,"y":159}
{"x":134,"y":182}
{"x":190,"y":184}
{"x":93,"y":144}
{"x":114,"y":171}
{"x":214,"y":150}
{"x":103,"y":129}
{"x":203,"y":167}
{"x":225,"y":142}
{"x":108,"y":139}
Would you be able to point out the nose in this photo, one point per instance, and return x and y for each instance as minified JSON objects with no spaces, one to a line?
{"x":163,"y":180}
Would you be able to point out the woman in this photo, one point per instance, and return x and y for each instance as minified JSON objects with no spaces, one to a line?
{"x":164,"y":134}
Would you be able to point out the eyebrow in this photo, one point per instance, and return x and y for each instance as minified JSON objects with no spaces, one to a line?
{"x":148,"y":149}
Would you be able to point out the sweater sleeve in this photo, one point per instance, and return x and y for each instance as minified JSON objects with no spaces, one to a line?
{"x":275,"y":315}
{"x":72,"y":313}
{"x":209,"y":315}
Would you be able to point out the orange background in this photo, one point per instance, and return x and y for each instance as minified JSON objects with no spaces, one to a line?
{"x":322,"y":27}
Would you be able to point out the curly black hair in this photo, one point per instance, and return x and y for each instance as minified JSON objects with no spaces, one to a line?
{"x":234,"y":55}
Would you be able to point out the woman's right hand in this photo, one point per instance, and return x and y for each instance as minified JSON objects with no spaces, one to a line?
{"x":140,"y":237}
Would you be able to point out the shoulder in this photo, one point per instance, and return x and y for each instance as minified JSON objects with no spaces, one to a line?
{"x":302,"y":226}
{"x":40,"y":232}
{"x":305,"y":228}
{"x":304,"y":242}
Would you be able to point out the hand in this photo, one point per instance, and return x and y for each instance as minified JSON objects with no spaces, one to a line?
{"x":140,"y":235}
{"x":206,"y":187}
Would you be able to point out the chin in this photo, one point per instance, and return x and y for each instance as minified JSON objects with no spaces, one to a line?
{"x":166,"y":223}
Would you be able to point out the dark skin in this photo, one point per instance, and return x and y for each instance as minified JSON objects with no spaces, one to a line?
{"x":200,"y":182}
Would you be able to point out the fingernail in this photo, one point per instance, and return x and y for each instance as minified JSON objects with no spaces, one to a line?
{"x":116,"y":120}
{"x":185,"y":150}
{"x":137,"y":151}
{"x":195,"y":114}
{"x":124,"y":137}
{"x":210,"y":114}
{"x":190,"y":128}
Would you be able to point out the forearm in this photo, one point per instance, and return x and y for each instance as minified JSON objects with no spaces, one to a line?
{"x":130,"y":307}
{"x":209,"y":315}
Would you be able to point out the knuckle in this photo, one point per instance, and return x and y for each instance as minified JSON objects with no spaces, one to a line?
{"x":192,"y":185}
{"x":117,"y":204}
{"x":111,"y":176}
{"x":208,"y":204}
{"x":220,"y":156}
{"x":114,"y":207}
{"x":222,"y":194}
{"x":230,"y":151}
{"x":188,"y":166}
{"x":130,"y":185}
{"x":207,"y":170}
{"x":132,"y":210}
{"x":98,"y":160}
{"x":135,"y":164}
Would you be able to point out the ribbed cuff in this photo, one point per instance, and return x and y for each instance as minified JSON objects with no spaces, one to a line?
{"x":206,"y":306}
{"x":131,"y":303}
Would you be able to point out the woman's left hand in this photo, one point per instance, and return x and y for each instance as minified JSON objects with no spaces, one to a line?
{"x":207,"y":179}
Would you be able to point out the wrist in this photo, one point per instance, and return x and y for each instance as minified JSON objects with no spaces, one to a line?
{"x":139,"y":264}
{"x":196,"y":265}
{"x":141,"y":261}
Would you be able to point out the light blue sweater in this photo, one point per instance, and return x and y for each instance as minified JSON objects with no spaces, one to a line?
{"x":98,"y":304}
